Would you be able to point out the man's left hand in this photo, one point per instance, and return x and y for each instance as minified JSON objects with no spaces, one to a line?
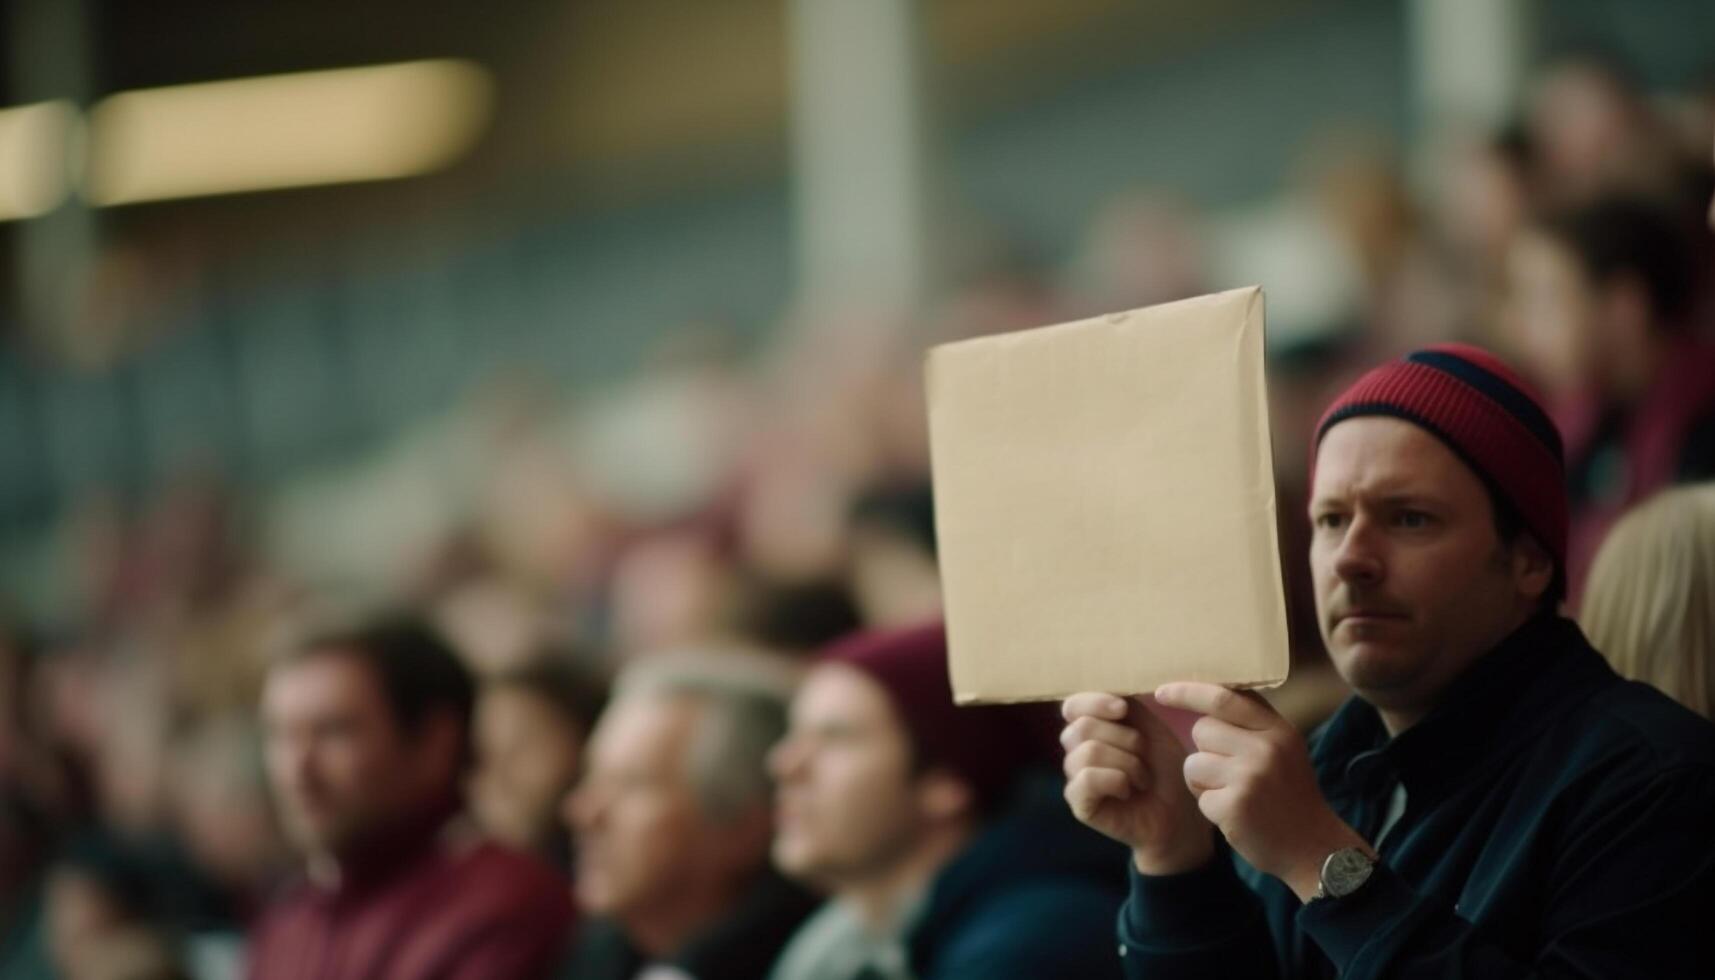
{"x":1252,"y":778}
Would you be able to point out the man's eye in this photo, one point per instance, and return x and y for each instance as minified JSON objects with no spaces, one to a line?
{"x":1330,"y":521}
{"x":1412,"y":519}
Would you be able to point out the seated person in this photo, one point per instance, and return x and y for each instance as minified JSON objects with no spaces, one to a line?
{"x":942,"y":856}
{"x":531,"y":725}
{"x":672,"y":821}
{"x":367,"y":738}
{"x":1494,"y":802}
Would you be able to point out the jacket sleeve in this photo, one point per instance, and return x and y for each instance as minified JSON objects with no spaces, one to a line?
{"x":1047,"y":931}
{"x":1628,"y":896}
{"x":1203,"y":923}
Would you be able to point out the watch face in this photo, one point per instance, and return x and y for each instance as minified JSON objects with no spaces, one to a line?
{"x":1345,"y":871}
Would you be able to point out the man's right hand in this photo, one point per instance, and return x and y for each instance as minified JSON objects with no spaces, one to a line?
{"x":1125,"y":778}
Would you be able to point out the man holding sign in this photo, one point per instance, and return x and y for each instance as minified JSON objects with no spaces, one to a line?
{"x":1495,"y":802}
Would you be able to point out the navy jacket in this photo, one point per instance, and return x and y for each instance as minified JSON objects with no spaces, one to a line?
{"x":1033,"y":896}
{"x":1559,"y":822}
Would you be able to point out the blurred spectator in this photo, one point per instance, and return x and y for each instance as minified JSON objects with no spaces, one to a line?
{"x":1486,"y":198}
{"x":795,"y":617}
{"x":368,"y":738}
{"x":1142,"y":248}
{"x":942,"y":862}
{"x":1599,"y":307}
{"x":661,"y":443}
{"x":97,"y":910}
{"x":532,"y":723}
{"x":73,"y":884}
{"x":790,"y":520}
{"x":1650,"y":603}
{"x":1596,"y":132}
{"x":217,"y":797}
{"x":534,"y":520}
{"x":667,"y":590}
{"x":892,"y":564}
{"x":127,"y":953}
{"x":1316,"y":279}
{"x":672,"y":823}
{"x":497,"y":626}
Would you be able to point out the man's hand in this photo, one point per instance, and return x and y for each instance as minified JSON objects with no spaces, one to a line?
{"x":1252,"y":778}
{"x":1123,"y":779}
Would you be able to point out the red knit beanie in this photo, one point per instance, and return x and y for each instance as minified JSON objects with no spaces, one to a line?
{"x":986,"y":745}
{"x":1472,"y":401}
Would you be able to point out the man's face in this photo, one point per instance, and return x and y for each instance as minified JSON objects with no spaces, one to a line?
{"x":845,"y":807}
{"x":641,"y":831}
{"x":1412,"y":582}
{"x":338,"y":762}
{"x":527,"y":758}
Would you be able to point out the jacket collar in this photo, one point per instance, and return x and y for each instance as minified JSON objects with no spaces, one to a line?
{"x":1507,"y":696}
{"x":395,"y":848}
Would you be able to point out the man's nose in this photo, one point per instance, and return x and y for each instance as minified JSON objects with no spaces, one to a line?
{"x":1359,"y":558}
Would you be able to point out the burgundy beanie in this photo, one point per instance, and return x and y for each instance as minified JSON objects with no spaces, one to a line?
{"x":1472,"y":401}
{"x":987,"y":745}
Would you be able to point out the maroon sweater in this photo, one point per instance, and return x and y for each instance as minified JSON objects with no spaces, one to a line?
{"x":430,"y":904}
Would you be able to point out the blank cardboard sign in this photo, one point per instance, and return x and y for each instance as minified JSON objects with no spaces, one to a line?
{"x":1104,"y":504}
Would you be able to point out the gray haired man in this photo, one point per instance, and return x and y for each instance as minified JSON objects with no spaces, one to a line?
{"x":673,"y":823}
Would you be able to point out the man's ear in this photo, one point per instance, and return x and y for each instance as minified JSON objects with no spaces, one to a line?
{"x":1532,"y":567}
{"x":941,"y":795}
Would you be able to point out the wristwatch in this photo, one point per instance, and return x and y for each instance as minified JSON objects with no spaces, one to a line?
{"x":1344,"y":872}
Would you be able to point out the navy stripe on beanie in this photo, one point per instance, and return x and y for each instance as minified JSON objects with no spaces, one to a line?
{"x":1497,"y":388}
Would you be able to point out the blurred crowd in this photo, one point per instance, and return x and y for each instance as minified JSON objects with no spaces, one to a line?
{"x":710,"y":525}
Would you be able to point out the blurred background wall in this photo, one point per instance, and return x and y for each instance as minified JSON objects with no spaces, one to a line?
{"x":630,"y":185}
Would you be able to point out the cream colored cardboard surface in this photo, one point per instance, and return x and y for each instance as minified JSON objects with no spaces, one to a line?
{"x":1104,"y":504}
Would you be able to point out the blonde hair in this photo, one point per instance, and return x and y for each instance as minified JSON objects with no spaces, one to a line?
{"x":1649,"y":604}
